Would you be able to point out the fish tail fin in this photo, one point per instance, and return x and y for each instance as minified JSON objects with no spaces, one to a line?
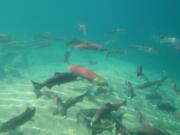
{"x":37,"y":87}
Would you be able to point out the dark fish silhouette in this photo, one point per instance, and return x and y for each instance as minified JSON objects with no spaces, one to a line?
{"x":174,"y":86}
{"x":62,"y":107}
{"x":131,"y":93}
{"x":147,"y":129}
{"x":66,"y":57}
{"x":140,"y":73}
{"x":57,"y":100}
{"x":57,"y":79}
{"x":85,"y":116}
{"x":148,"y":84}
{"x":165,"y":106}
{"x":19,"y":120}
{"x":105,"y":111}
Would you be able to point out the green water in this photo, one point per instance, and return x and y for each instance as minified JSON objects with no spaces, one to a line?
{"x":33,"y":41}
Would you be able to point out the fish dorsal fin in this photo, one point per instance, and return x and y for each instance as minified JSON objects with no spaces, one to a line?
{"x":57,"y":73}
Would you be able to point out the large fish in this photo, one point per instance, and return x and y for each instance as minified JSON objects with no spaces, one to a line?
{"x":62,"y":107}
{"x":147,"y":129}
{"x":105,"y":111}
{"x":57,"y":79}
{"x":130,"y":89}
{"x":71,"y":102}
{"x":148,"y":84}
{"x":87,"y":74}
{"x":19,"y":120}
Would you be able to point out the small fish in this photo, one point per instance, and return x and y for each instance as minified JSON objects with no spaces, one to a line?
{"x":165,"y":106}
{"x":174,"y":86}
{"x":57,"y":100}
{"x":57,"y":79}
{"x":62,"y":107}
{"x":145,"y":49}
{"x":106,"y":110}
{"x":18,"y":120}
{"x":131,"y":93}
{"x":147,"y":129}
{"x":66,"y":57}
{"x":139,"y":71}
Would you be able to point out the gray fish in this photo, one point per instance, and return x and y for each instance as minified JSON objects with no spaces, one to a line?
{"x":71,"y":102}
{"x":19,"y":120}
{"x":85,"y":116}
{"x":174,"y":86}
{"x":148,"y":84}
{"x":62,"y":107}
{"x":57,"y":100}
{"x":57,"y":79}
{"x":66,"y":57}
{"x":147,"y":129}
{"x":165,"y":106}
{"x":139,"y":71}
{"x":131,"y":93}
{"x":105,"y":111}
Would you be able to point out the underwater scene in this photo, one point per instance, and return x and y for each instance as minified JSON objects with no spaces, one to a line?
{"x":89,"y":67}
